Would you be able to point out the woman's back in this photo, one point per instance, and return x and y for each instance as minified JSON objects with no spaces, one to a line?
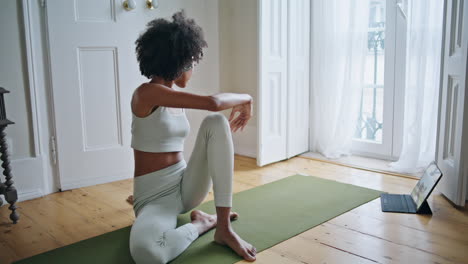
{"x":164,"y":130}
{"x":158,"y":138}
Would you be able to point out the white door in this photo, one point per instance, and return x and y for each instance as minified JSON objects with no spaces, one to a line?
{"x":452,"y":142}
{"x":94,"y":72}
{"x":272,"y":90}
{"x":283,"y":90}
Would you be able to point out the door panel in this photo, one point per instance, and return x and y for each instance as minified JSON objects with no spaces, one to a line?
{"x":99,"y":95}
{"x":94,"y":11}
{"x":273,"y":81}
{"x":298,"y":77}
{"x":451,"y":155}
{"x":283,"y":126}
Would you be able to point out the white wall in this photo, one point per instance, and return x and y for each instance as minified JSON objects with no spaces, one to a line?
{"x":205,"y":79}
{"x":238,"y":23}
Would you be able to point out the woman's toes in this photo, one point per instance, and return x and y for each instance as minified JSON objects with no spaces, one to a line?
{"x":194,"y":214}
{"x":130,"y":199}
{"x":249,"y":256}
{"x":234,"y":216}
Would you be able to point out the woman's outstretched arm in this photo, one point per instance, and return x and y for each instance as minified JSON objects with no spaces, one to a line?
{"x":147,"y":96}
{"x":229,"y":100}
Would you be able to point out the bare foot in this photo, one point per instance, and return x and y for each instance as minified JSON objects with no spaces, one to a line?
{"x":205,"y":222}
{"x":130,"y":199}
{"x":227,"y":236}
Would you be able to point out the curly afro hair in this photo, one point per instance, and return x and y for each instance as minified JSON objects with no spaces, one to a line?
{"x":166,"y":49}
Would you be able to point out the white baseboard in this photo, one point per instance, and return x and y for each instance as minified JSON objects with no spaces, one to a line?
{"x":94,"y":181}
{"x":27,"y":177}
{"x":25,"y":195}
{"x":28,"y":195}
{"x":245,"y":142}
{"x":360,"y":162}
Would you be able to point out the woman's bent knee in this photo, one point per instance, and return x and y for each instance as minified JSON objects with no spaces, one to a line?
{"x":143,"y":246}
{"x":144,"y":252}
{"x":215,"y":119}
{"x":215,"y":123}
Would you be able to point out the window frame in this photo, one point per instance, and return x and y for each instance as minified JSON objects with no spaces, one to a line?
{"x":394,"y":83}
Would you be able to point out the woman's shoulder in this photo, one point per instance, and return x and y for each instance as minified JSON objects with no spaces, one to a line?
{"x":140,"y":107}
{"x":146,"y":90}
{"x":147,"y":87}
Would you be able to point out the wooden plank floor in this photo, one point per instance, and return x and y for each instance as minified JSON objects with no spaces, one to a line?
{"x":362,"y":235}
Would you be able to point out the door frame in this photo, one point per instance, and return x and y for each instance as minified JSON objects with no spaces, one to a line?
{"x":37,"y":80}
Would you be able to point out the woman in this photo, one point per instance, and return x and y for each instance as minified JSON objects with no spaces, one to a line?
{"x":164,"y":184}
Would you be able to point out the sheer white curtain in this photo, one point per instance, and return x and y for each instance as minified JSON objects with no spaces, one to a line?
{"x":338,"y":50}
{"x":423,"y":55}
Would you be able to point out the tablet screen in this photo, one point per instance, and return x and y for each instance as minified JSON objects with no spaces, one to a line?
{"x":425,"y":185}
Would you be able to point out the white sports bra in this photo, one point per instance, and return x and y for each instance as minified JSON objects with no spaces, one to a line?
{"x":164,"y":130}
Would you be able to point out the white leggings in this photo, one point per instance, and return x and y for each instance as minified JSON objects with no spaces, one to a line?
{"x":161,"y":195}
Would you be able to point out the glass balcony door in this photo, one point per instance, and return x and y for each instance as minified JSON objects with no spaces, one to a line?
{"x":375,"y":133}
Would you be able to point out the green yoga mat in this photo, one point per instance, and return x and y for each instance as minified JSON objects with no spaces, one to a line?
{"x":269,"y":214}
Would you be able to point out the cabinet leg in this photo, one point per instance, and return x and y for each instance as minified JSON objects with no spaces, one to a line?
{"x":14,"y":215}
{"x":10,"y":191}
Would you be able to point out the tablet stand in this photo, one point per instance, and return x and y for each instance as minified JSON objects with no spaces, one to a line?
{"x":424,"y":209}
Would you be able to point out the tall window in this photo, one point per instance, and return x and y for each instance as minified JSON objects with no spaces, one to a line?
{"x":369,"y":125}
{"x":379,"y":125}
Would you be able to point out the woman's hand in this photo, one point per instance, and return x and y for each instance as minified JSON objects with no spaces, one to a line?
{"x":245,"y":113}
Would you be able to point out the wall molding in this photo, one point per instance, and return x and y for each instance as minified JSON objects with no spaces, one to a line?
{"x":33,"y":176}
